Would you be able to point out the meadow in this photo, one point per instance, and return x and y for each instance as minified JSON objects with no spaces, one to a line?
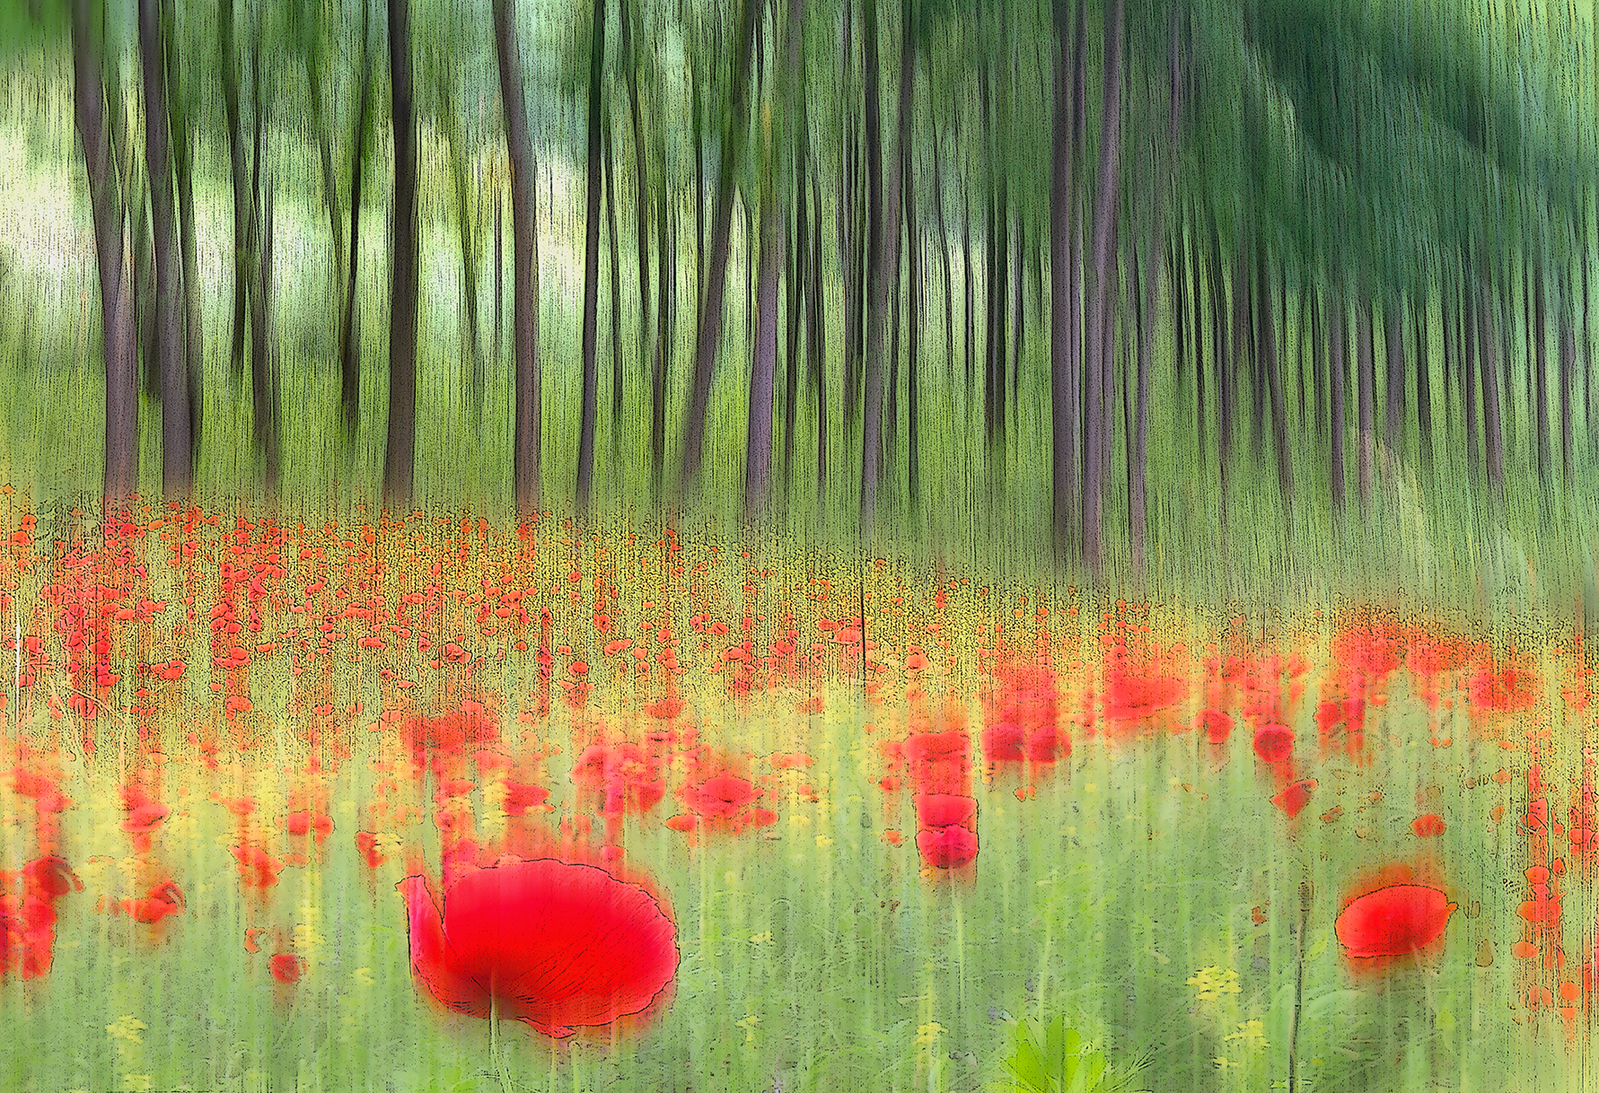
{"x":230,"y":739}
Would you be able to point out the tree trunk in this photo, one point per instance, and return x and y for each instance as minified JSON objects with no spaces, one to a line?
{"x":1274,"y":380}
{"x":708,"y":342}
{"x":943,"y":256}
{"x":1568,"y":369}
{"x":116,"y":305}
{"x":666,"y":309}
{"x":1423,"y":385}
{"x":883,"y":278}
{"x":177,"y":457}
{"x":763,"y":374}
{"x":349,"y":333}
{"x":641,"y":185}
{"x":243,"y":199}
{"x":183,"y":165}
{"x":525,"y":256}
{"x":1337,"y":369}
{"x":591,"y":268}
{"x":617,"y":379}
{"x":815,"y":338}
{"x":1489,"y":374}
{"x":1393,"y":321}
{"x":1221,"y":356}
{"x":872,"y":116}
{"x":1100,"y":330}
{"x":263,"y":359}
{"x":1540,"y":373}
{"x":1366,"y":381}
{"x":399,"y":460}
{"x":1468,"y":375}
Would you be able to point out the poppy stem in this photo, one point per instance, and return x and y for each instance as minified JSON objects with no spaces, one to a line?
{"x":494,"y":1045}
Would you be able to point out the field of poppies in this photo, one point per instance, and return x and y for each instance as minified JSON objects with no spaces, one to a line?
{"x":439,"y":804}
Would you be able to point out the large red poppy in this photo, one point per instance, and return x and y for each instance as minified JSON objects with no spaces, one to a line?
{"x":1393,"y":921}
{"x":554,"y":944}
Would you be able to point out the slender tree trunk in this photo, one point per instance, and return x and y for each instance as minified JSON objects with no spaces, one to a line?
{"x":1423,"y":371}
{"x":883,"y":280}
{"x":1393,"y":321}
{"x":243,"y":197}
{"x":1568,"y":368}
{"x":177,"y":460}
{"x":1199,"y":334}
{"x":1100,"y":330}
{"x":815,"y":338}
{"x":943,"y":256}
{"x":876,"y":230}
{"x":1366,"y":382}
{"x":183,"y":166}
{"x":1220,"y":354}
{"x":399,"y":461}
{"x":525,"y":256}
{"x":116,"y":305}
{"x":591,"y":268}
{"x":349,"y":332}
{"x":1540,"y":373}
{"x":1274,"y":380}
{"x":763,"y":376}
{"x":263,"y":358}
{"x":1337,"y":369}
{"x":666,"y":308}
{"x":709,"y":339}
{"x":1468,"y":376}
{"x":641,"y":185}
{"x":617,"y":379}
{"x":1489,"y":374}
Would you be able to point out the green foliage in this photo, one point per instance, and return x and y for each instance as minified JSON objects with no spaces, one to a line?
{"x":1065,"y":1063}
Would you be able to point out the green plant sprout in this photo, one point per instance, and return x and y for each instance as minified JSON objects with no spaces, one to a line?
{"x":1066,"y":1063}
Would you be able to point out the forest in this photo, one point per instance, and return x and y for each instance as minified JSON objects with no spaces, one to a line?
{"x":849,"y":268}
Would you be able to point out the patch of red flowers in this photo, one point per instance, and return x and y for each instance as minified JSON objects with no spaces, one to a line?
{"x":1392,"y":916}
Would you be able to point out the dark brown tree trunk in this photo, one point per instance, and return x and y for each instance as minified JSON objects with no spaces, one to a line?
{"x":763,"y":374}
{"x":1393,"y":321}
{"x":1568,"y":369}
{"x":1274,"y":380}
{"x":666,"y":309}
{"x":1337,"y":369}
{"x":1423,"y":385}
{"x":815,"y":337}
{"x":177,"y":457}
{"x":243,"y":199}
{"x":399,"y":460}
{"x":183,"y":167}
{"x":616,"y":291}
{"x":1540,"y":373}
{"x":1468,"y":374}
{"x":263,"y":359}
{"x":591,"y":268}
{"x":116,"y":305}
{"x":1100,"y":330}
{"x":1488,"y":372}
{"x":525,"y":256}
{"x":629,"y":16}
{"x":883,"y":270}
{"x":708,"y":342}
{"x":1065,"y":379}
{"x":1365,"y":384}
{"x":349,"y":332}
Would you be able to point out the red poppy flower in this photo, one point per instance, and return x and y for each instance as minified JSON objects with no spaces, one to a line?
{"x":553,"y":944}
{"x":1274,"y":743}
{"x":943,"y":809}
{"x":164,"y":899}
{"x":1393,"y":921}
{"x":1429,"y":826}
{"x":947,"y":847}
{"x":1504,"y":691}
{"x":309,"y":821}
{"x":1217,"y":725}
{"x":287,"y":967}
{"x":519,"y":797}
{"x":1129,"y":695}
{"x":1293,"y":799}
{"x":721,"y":796}
{"x":257,"y":868}
{"x":367,"y":844}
